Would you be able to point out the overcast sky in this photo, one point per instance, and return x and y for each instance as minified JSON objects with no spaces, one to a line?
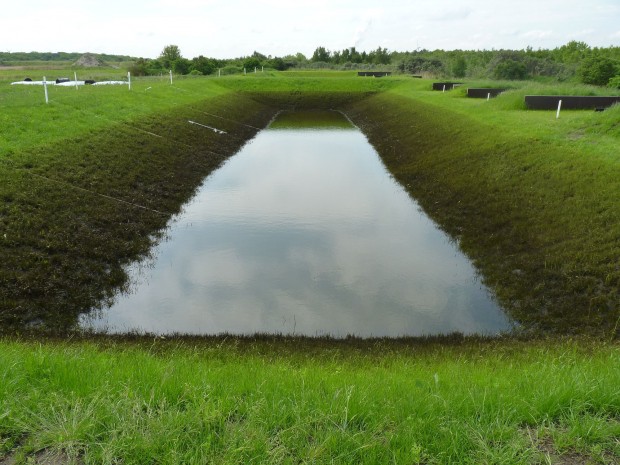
{"x":233,"y":28}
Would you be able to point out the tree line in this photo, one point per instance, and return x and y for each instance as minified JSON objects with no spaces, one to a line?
{"x":574,"y":61}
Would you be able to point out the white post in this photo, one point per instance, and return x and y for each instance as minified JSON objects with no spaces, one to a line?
{"x":255,"y":70}
{"x":444,"y":88}
{"x":488,"y":96}
{"x":75,"y":80}
{"x":219,"y":72}
{"x":45,"y":88}
{"x":170,"y":76}
{"x":129,"y":79}
{"x":557,"y":115}
{"x":262,"y":69}
{"x":244,"y":71}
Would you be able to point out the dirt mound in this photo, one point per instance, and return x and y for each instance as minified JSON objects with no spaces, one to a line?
{"x":88,"y":60}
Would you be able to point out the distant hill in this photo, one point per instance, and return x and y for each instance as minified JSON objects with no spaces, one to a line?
{"x":89,"y":60}
{"x":6,"y":57}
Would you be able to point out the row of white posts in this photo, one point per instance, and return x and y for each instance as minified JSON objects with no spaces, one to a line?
{"x":76,"y":83}
{"x":219,"y":74}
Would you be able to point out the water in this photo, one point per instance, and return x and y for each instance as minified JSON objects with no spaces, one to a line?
{"x":304,"y":232}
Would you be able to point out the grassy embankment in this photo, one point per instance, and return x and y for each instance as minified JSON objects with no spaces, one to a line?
{"x":277,"y":401}
{"x":531,"y":199}
{"x":89,"y":181}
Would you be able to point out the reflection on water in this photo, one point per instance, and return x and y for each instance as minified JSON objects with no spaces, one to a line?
{"x":304,"y":232}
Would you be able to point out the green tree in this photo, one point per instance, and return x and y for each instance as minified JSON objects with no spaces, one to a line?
{"x":278,"y":64}
{"x":320,"y":54}
{"x":203,"y":65}
{"x":250,"y":63}
{"x":597,"y":70}
{"x":573,"y":52}
{"x":169,"y":55}
{"x":511,"y":70}
{"x":459,"y":68}
{"x":181,"y":66}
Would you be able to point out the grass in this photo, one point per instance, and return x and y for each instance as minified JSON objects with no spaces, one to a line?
{"x":88,"y":182}
{"x":530,"y":198}
{"x":274,"y":400}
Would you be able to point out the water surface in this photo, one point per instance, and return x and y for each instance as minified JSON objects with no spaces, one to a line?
{"x":304,"y":232}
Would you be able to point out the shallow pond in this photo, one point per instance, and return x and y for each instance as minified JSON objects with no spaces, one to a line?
{"x":304,"y":232}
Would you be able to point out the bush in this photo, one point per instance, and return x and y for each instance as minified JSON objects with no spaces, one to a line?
{"x":597,"y":70}
{"x":510,"y":70}
{"x":614,"y":82}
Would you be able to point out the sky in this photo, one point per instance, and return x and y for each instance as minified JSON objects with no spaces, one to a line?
{"x":235,"y":28}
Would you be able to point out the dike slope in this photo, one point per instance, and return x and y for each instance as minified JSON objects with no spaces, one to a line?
{"x":540,"y":222}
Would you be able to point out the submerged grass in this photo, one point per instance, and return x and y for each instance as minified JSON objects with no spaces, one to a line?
{"x":275,"y":400}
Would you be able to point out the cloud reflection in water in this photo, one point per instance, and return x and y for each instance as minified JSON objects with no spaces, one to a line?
{"x":304,"y":232}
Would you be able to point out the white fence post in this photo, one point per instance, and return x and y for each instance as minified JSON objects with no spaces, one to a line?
{"x":75,"y":80}
{"x":557,"y":115}
{"x":45,"y":88}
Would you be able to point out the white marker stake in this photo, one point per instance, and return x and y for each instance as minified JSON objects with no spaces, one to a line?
{"x":557,"y":115}
{"x":488,"y":96}
{"x":444,"y":88}
{"x":129,"y":79}
{"x":244,"y":71}
{"x":45,"y":88}
{"x":219,"y":72}
{"x":170,"y":77}
{"x":75,"y":79}
{"x":255,"y":70}
{"x":262,"y":69}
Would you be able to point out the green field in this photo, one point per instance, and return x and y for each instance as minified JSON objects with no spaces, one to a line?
{"x":89,"y":180}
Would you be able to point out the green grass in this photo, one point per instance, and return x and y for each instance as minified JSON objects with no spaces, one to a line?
{"x":35,"y":70}
{"x":86,"y":188}
{"x":532,"y":199}
{"x":310,"y":401}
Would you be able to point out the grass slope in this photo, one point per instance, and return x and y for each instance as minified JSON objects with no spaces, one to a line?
{"x":89,"y":181}
{"x":533,"y":200}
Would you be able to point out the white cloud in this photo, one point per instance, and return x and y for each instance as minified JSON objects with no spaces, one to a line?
{"x":223,"y":28}
{"x":536,"y":34}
